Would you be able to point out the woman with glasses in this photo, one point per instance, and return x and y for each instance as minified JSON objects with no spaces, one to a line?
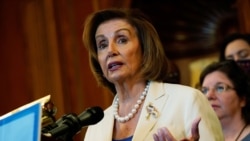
{"x":227,"y":88}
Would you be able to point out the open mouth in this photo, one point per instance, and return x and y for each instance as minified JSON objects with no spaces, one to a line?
{"x":114,"y":65}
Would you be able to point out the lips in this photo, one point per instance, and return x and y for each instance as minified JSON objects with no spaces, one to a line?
{"x":215,"y":106}
{"x":114,"y":65}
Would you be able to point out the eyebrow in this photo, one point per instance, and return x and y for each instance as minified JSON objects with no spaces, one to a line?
{"x":218,"y":83}
{"x":116,"y":32}
{"x":126,"y":29}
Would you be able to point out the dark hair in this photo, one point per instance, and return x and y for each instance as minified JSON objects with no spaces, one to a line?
{"x":154,"y":64}
{"x":229,"y":39}
{"x":239,"y":79}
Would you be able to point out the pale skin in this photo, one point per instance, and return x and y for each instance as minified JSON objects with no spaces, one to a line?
{"x":237,"y":50}
{"x":163,"y":134}
{"x":227,"y":105}
{"x":119,"y":54}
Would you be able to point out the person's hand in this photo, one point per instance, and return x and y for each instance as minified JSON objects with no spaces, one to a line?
{"x":163,"y":134}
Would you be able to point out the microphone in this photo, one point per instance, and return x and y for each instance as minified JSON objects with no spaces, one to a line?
{"x":70,"y":124}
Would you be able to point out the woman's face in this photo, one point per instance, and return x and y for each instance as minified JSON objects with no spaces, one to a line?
{"x":118,"y":50}
{"x":237,"y":50}
{"x":221,"y":94}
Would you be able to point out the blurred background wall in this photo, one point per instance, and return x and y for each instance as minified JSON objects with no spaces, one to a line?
{"x":41,"y":50}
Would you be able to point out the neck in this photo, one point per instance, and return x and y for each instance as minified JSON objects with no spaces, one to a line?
{"x":129,"y":91}
{"x":241,"y":131}
{"x":233,"y":130}
{"x":129,"y":115}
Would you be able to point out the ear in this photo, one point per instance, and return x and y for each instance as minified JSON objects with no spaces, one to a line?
{"x":243,"y":102}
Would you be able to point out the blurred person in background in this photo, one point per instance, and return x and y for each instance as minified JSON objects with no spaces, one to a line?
{"x":236,"y":47}
{"x":227,"y":88}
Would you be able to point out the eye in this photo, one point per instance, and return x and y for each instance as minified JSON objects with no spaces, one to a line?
{"x":204,"y":90}
{"x":102,"y":44}
{"x":243,"y":54}
{"x":230,"y":57}
{"x":122,"y":40}
{"x":220,"y":88}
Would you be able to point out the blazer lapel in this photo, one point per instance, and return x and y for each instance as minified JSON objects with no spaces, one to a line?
{"x":106,"y":133}
{"x":151,"y":110}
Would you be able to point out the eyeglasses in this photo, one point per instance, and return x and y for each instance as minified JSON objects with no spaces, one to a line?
{"x":219,"y":88}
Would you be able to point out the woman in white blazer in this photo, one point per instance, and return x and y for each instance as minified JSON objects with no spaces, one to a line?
{"x":127,"y":57}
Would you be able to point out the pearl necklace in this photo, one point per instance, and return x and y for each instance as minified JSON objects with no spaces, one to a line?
{"x":134,"y":110}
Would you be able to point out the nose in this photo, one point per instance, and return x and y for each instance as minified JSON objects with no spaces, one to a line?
{"x":112,"y":50}
{"x":236,"y":58}
{"x":211,"y":94}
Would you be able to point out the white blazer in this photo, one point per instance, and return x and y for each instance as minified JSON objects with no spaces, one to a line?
{"x":177,"y":107}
